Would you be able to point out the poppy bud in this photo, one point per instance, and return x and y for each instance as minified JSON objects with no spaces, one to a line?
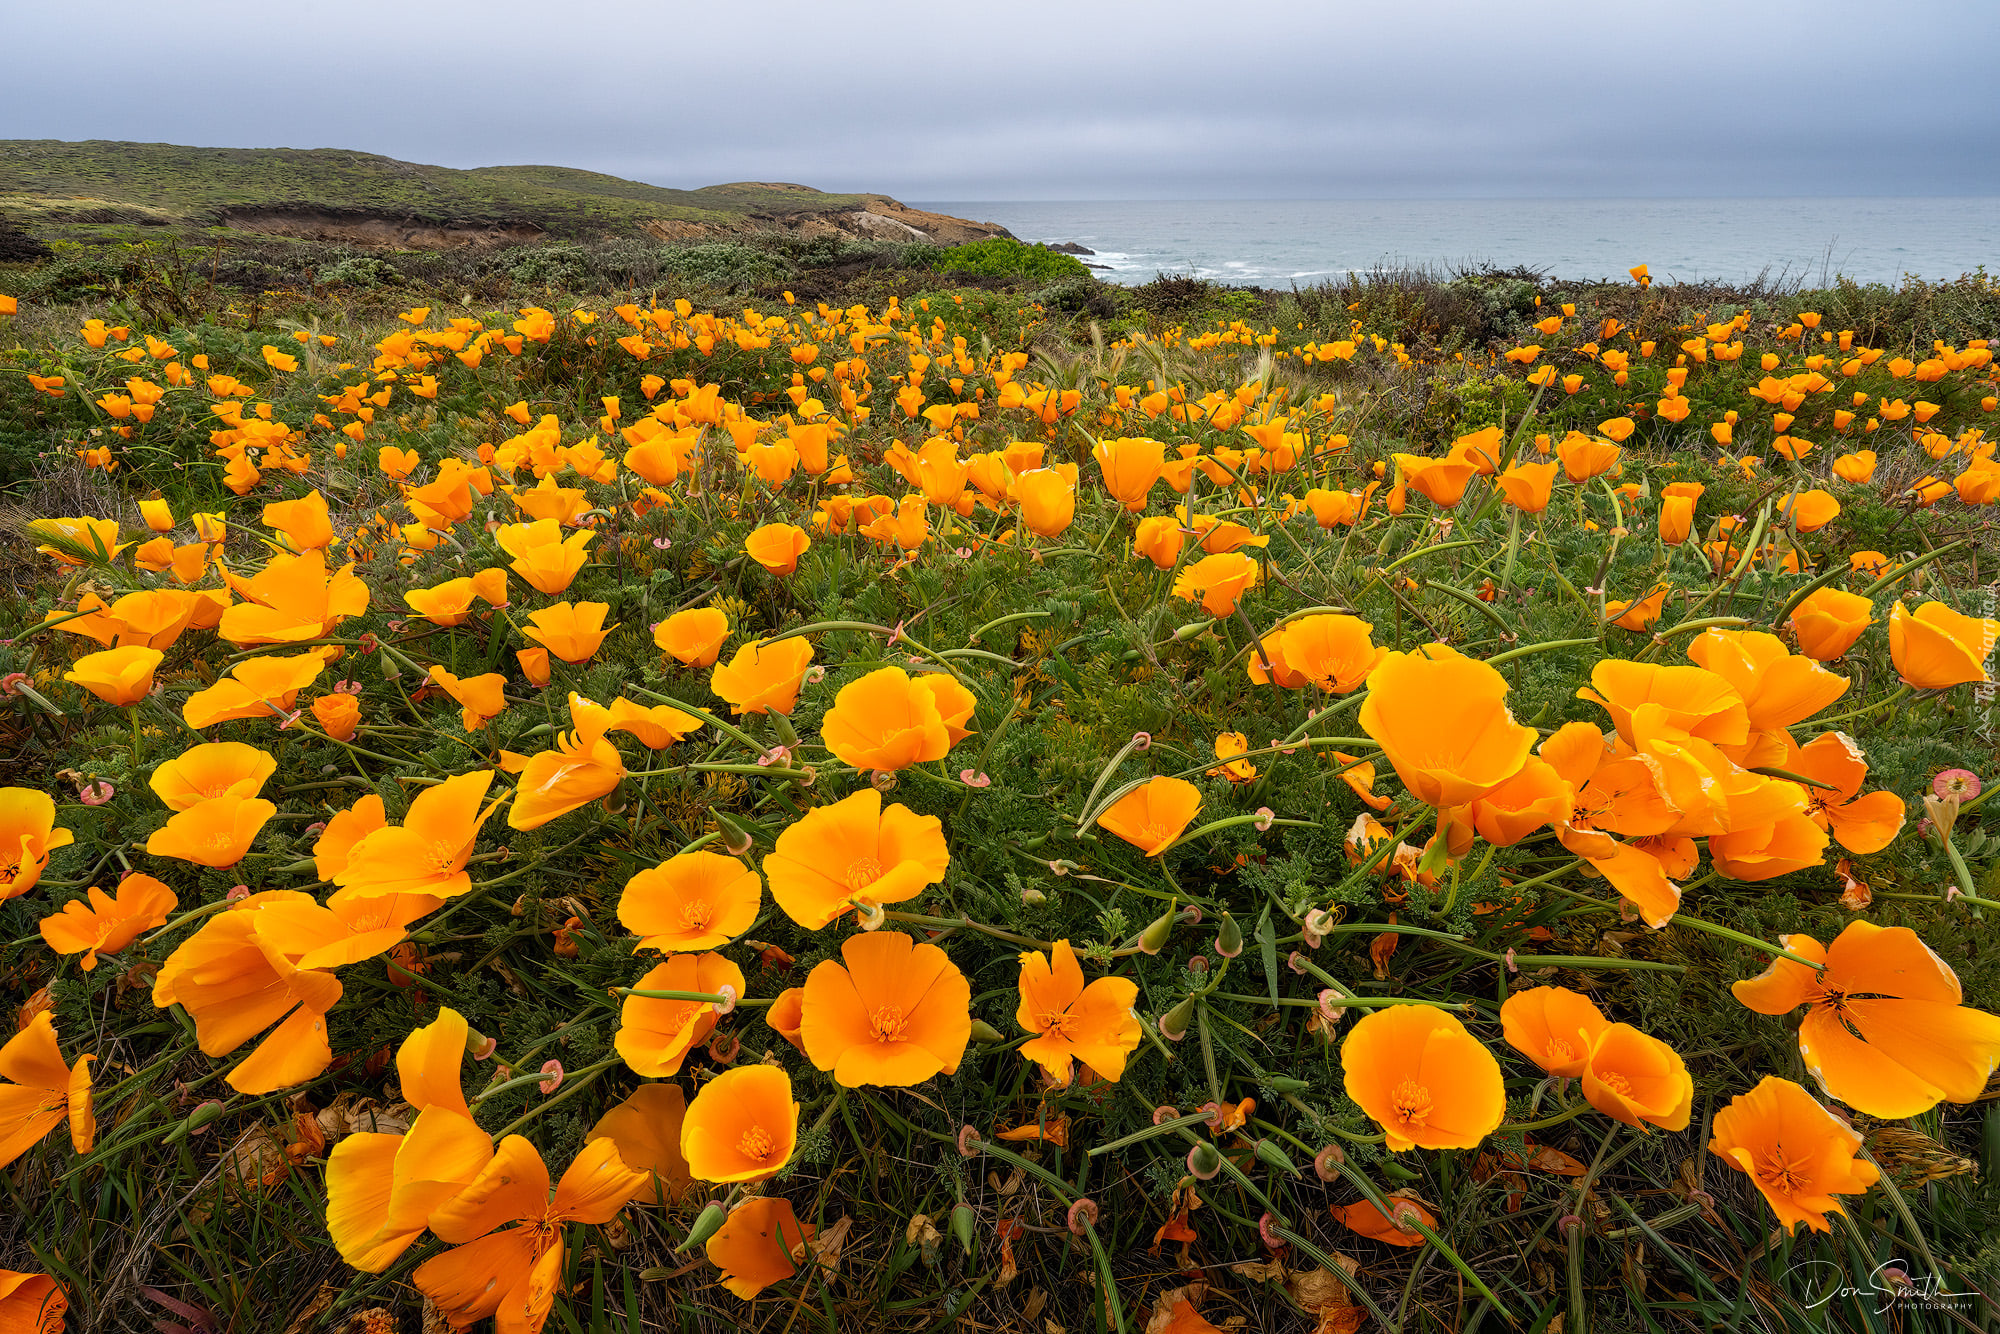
{"x":1204,"y":1160}
{"x":985,"y":1034}
{"x":1269,"y":1153}
{"x":1174,"y":1023}
{"x":199,"y":1118}
{"x":963,"y":1220}
{"x":1191,"y":630}
{"x":1228,"y":937}
{"x":705,"y":1226}
{"x":1154,"y":938}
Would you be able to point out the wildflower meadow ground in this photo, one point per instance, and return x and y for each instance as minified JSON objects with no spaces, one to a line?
{"x":642,"y":811}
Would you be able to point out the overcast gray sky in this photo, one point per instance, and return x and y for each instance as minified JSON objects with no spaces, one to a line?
{"x":1085,"y":99}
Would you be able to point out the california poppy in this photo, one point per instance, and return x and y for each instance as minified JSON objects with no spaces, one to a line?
{"x":777,"y":547}
{"x":264,"y":688}
{"x":1441,"y":481}
{"x":1554,"y":1027}
{"x":763,"y":677}
{"x":43,"y":1092}
{"x":1228,"y":746}
{"x":1441,"y":719}
{"x":1072,"y":1022}
{"x":1130,"y":467}
{"x":1884,"y":1031}
{"x":571,"y":632}
{"x":291,"y":600}
{"x":481,"y":699}
{"x":1333,"y":652}
{"x":1159,"y":539}
{"x":514,"y":1273}
{"x":1677,"y":502}
{"x":853,"y":853}
{"x":155,"y":618}
{"x":303,"y":524}
{"x":1527,"y":486}
{"x":695,"y":901}
{"x":1153,"y":815}
{"x":1862,"y":823}
{"x":106,"y":924}
{"x":1047,"y":498}
{"x":1635,"y":1078}
{"x":447,"y":604}
{"x":1937,"y":647}
{"x":753,"y":1247}
{"x":656,"y":727}
{"x":213,"y":833}
{"x":1777,"y":687}
{"x":647,"y":1130}
{"x":338,"y":715}
{"x":1423,"y":1078}
{"x":1369,"y":1221}
{"x":1793,"y":1150}
{"x":120,"y":676}
{"x":885,"y":720}
{"x":655,"y":1034}
{"x":741,"y":1126}
{"x":543,"y":556}
{"x":693,"y":637}
{"x":895,"y":1015}
{"x":1829,"y":621}
{"x":581,"y":767}
{"x":30,"y":1303}
{"x":28,"y":834}
{"x":786,"y":1016}
{"x":428,"y":852}
{"x":381,"y":1189}
{"x":1217,"y":582}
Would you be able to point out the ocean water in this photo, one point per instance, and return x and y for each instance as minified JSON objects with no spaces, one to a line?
{"x":1276,"y":243}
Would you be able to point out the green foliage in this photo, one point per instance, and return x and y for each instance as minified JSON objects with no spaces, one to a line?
{"x":1003,"y":257}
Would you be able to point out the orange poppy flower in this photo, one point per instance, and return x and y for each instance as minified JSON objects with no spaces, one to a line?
{"x":1532,"y":799}
{"x":1810,"y":511}
{"x":741,"y":1126}
{"x":514,"y":1273}
{"x":898,"y":1013}
{"x":381,"y":1189}
{"x":235,"y":985}
{"x":1527,"y":486}
{"x":777,"y":547}
{"x":337,"y":715}
{"x":571,"y":632}
{"x":1159,"y":539}
{"x":42,"y":1092}
{"x":1228,"y":745}
{"x":1217,"y":582}
{"x":1072,"y":1022}
{"x":428,"y":852}
{"x":213,"y":833}
{"x":1554,"y":1027}
{"x":694,"y":637}
{"x":447,"y":604}
{"x":1829,"y":621}
{"x":1642,"y":614}
{"x":646,"y":1127}
{"x":1778,"y":689}
{"x":336,"y":842}
{"x":28,"y":834}
{"x":1130,"y":467}
{"x":1047,"y":498}
{"x":1441,"y":720}
{"x":753,"y":1247}
{"x":695,"y":901}
{"x":481,"y":699}
{"x":1584,"y":458}
{"x":1441,"y":481}
{"x":1634,"y":1078}
{"x":1333,"y":652}
{"x":763,"y":677}
{"x":255,"y":688}
{"x":1858,"y":467}
{"x":119,"y":676}
{"x":852,"y":853}
{"x":155,"y":618}
{"x":1359,"y":775}
{"x":1885,"y":1032}
{"x":1153,"y":815}
{"x":1364,"y":1218}
{"x":108,"y":924}
{"x":1793,"y":1150}
{"x":30,"y":1303}
{"x":1937,"y":647}
{"x":1677,"y":502}
{"x":656,"y":1034}
{"x":786,"y":1016}
{"x":656,"y":728}
{"x":1862,"y":824}
{"x":542,"y":555}
{"x":292,"y":600}
{"x":303,"y":523}
{"x":580,"y":768}
{"x":1693,"y":700}
{"x":1423,"y":1078}
{"x":887,"y":720}
{"x":77,"y":541}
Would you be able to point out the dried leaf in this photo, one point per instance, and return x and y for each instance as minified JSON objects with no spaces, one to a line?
{"x":1165,"y":1304}
{"x":826,"y":1245}
{"x":351,"y":1113}
{"x":308,"y":1319}
{"x":257,"y":1158}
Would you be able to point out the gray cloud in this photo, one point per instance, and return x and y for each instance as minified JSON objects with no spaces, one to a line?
{"x":1043,"y":100}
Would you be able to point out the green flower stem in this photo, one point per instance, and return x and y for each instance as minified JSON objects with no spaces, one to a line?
{"x":1408,"y":556}
{"x":1091,"y":809}
{"x":1150,"y":1132}
{"x":1520,"y":1127}
{"x":1347,"y":1280}
{"x":1525,"y":649}
{"x":1888,"y":700}
{"x":1682,"y":919}
{"x":1006,"y":620}
{"x":1513,"y":549}
{"x":704,"y":715}
{"x":1703,"y":623}
{"x":1911,"y":566}
{"x":1962,"y":873}
{"x":572,"y":1085}
{"x":1337,"y":706}
{"x":1230,"y":822}
{"x":950,"y":923}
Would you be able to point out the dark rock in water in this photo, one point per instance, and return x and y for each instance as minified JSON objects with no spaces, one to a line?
{"x":1088,"y":265}
{"x":1069,"y":248}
